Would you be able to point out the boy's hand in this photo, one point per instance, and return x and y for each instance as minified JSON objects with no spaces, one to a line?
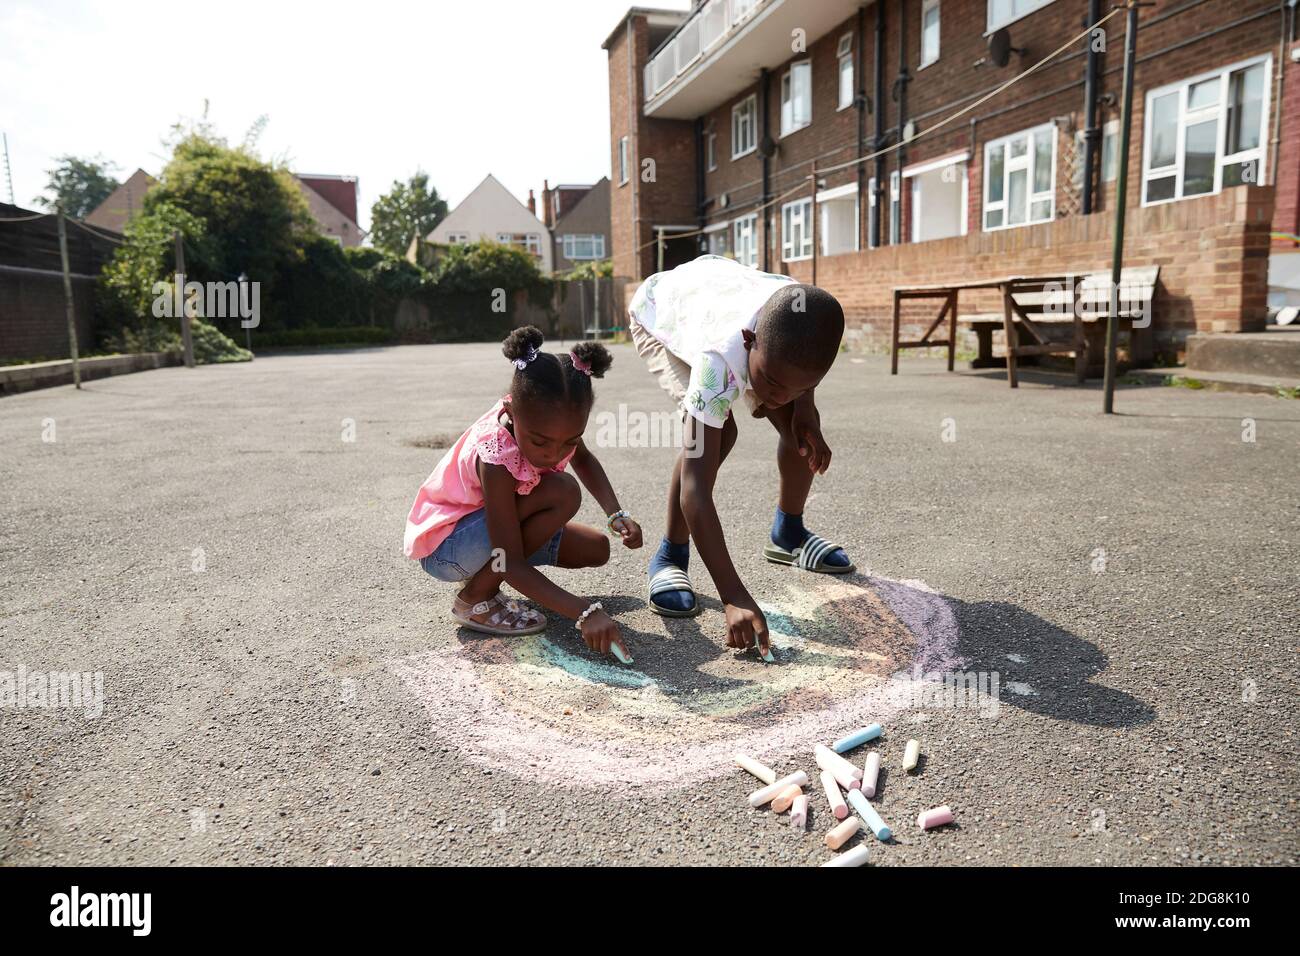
{"x":600,"y":631}
{"x":629,"y":531}
{"x":806,"y":425}
{"x":746,"y":626}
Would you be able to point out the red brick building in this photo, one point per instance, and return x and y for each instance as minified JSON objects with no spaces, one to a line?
{"x":719,"y":116}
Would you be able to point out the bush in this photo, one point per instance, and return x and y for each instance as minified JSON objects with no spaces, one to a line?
{"x":212,"y":347}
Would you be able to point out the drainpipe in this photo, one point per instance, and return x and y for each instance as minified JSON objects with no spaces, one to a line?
{"x":767,"y":172}
{"x":1287,"y":29}
{"x":901,"y":93}
{"x":878,"y":139}
{"x":633,"y":108}
{"x":1090,"y":131}
{"x":860,"y":104}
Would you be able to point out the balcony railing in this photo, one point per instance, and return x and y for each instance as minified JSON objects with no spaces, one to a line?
{"x":707,"y":26}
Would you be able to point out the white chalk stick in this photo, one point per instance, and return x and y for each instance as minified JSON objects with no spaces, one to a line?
{"x":848,"y":776}
{"x":769,"y":793}
{"x":833,"y":795}
{"x":912,"y":756}
{"x":786,"y":798}
{"x":855,"y":857}
{"x":766,"y":774}
{"x":871,"y":774}
{"x":799,"y":812}
{"x":839,"y":834}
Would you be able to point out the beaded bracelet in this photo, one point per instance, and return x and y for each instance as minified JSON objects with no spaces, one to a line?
{"x":609,"y":523}
{"x":595,"y":606}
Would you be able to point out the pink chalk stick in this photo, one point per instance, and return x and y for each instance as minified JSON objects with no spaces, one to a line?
{"x":846,"y":775}
{"x":935,"y":818}
{"x":870,"y":773}
{"x":833,"y":796}
{"x":785,"y":799}
{"x":799,"y":812}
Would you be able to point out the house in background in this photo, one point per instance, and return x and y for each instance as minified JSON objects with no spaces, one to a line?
{"x":578,"y":217}
{"x":492,"y":212}
{"x":737,"y":125}
{"x":123,"y":203}
{"x":332,"y":201}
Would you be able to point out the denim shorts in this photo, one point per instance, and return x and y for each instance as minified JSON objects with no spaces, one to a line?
{"x":468,"y":547}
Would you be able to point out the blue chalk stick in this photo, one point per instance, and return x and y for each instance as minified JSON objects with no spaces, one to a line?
{"x":618,"y":652}
{"x":869,"y":815}
{"x":857,"y":738}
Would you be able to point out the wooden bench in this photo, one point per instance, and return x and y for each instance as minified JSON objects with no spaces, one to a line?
{"x":1033,"y":306}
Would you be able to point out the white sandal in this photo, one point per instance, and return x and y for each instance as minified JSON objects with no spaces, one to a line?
{"x":507,"y":618}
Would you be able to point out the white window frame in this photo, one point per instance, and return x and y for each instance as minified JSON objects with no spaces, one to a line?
{"x":1217,"y":112}
{"x":871,"y":212}
{"x":845,"y":53}
{"x":594,"y":241}
{"x":797,"y":213}
{"x":532,"y":241}
{"x":715,"y":229}
{"x":744,"y":244}
{"x":1009,"y":165}
{"x":926,"y":7}
{"x":823,"y":220}
{"x":914,"y":173}
{"x":1019,"y":10}
{"x":711,"y":151}
{"x":744,"y":117}
{"x":623,"y":163}
{"x":789,"y":120}
{"x":895,"y":208}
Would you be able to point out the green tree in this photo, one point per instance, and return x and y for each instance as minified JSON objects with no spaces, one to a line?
{"x":79,"y":185}
{"x":407,"y":210}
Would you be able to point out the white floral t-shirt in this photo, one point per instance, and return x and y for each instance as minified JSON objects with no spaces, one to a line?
{"x":698,"y":312}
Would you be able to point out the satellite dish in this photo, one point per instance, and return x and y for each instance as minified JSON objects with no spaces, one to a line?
{"x":724,"y":200}
{"x":767,"y":147}
{"x":1000,"y":48}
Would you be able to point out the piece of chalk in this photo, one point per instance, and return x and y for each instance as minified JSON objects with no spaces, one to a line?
{"x":773,"y":789}
{"x":871,"y":774}
{"x":766,"y":657}
{"x":855,"y":857}
{"x":869,"y":815}
{"x":617,"y":651}
{"x":839,"y":834}
{"x":848,"y":776}
{"x":766,"y":774}
{"x":785,"y":799}
{"x":912,"y":755}
{"x":857,"y":738}
{"x":799,"y":812}
{"x":935,"y":818}
{"x":833,"y":796}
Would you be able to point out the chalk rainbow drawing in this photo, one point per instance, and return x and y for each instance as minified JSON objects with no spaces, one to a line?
{"x":847,"y":652}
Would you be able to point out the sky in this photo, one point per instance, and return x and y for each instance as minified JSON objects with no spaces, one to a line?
{"x":377,"y":90}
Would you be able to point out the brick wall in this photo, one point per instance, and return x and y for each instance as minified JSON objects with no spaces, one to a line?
{"x":1286,"y":217}
{"x":1212,"y":252}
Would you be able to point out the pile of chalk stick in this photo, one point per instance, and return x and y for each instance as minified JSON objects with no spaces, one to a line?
{"x":845,"y":785}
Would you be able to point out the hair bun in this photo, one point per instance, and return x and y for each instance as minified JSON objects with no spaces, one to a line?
{"x":521,"y":341}
{"x":595,"y":356}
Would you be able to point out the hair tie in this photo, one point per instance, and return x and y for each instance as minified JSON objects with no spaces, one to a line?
{"x":579,"y":364}
{"x":522,"y":363}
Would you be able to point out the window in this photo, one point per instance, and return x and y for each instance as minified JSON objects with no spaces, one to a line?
{"x":622,"y":161}
{"x":530,"y":241}
{"x":837,"y":219}
{"x":1205,"y":133}
{"x":796,"y":97}
{"x":580,"y":246}
{"x":1020,"y":178}
{"x":744,"y":127}
{"x":744,"y":232}
{"x":895,"y":208}
{"x":938,"y":192}
{"x":716,"y":239}
{"x":1109,"y":153}
{"x":873,"y":237}
{"x":796,"y":230}
{"x":1002,"y":12}
{"x":457,"y":238}
{"x":711,"y":151}
{"x":845,"y":53}
{"x":929,"y":33}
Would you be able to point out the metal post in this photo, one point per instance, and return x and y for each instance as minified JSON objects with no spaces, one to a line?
{"x":67,"y":299}
{"x":187,"y":337}
{"x":1121,"y":199}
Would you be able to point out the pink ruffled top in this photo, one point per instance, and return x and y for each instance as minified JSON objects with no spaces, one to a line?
{"x":453,"y":490}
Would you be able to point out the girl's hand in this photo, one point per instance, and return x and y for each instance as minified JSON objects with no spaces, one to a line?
{"x":600,"y":631}
{"x":629,"y":531}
